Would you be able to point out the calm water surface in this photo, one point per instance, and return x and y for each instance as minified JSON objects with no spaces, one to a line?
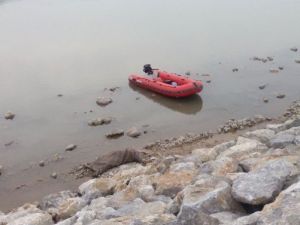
{"x":79,"y":47}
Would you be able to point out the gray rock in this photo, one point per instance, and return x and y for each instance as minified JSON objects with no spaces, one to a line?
{"x":235,"y":70}
{"x":293,"y":123}
{"x":261,"y":186}
{"x":270,"y":58}
{"x":54,"y":200}
{"x":265,"y":100}
{"x":282,"y":140}
{"x":103,"y":101}
{"x":284,"y":210}
{"x":192,"y":216}
{"x":54,"y":175}
{"x":277,"y":127}
{"x":161,"y":219}
{"x":281,"y":67}
{"x":100,"y":121}
{"x":251,"y":219}
{"x":274,"y":71}
{"x":115,"y":133}
{"x":133,"y":132}
{"x":261,"y":87}
{"x":70,"y":147}
{"x":280,"y":96}
{"x":9,"y":116}
{"x":208,"y":195}
{"x":1,"y":169}
{"x":226,"y":217}
{"x":294,"y":49}
{"x":42,"y":163}
{"x":262,"y":135}
{"x":297,"y":60}
{"x":296,"y":142}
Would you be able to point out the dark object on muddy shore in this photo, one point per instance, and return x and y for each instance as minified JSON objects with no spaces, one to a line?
{"x":274,"y":71}
{"x":265,"y":100}
{"x":1,"y":169}
{"x":70,"y":147}
{"x":9,"y":143}
{"x":261,"y":87}
{"x":280,"y":96}
{"x":99,"y":121}
{"x":109,"y":161}
{"x":235,"y":70}
{"x":297,"y":60}
{"x":59,"y":95}
{"x":281,"y":67}
{"x":42,"y":163}
{"x":53,"y":175}
{"x":294,"y":49}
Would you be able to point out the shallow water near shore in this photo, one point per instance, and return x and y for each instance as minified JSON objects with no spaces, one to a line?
{"x":79,"y":48}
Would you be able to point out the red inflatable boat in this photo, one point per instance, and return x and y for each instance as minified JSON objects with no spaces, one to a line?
{"x":169,"y":84}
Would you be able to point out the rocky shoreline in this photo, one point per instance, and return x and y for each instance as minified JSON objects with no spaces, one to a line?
{"x":253,"y":179}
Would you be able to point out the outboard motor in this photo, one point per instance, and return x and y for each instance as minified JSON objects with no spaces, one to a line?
{"x":148,"y":69}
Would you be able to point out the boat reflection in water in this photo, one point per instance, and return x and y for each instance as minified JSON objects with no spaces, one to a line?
{"x":188,"y":105}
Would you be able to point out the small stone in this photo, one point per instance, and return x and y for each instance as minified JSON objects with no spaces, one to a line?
{"x":270,"y":58}
{"x":9,"y":116}
{"x":59,"y":95}
{"x":280,"y":96}
{"x":1,"y":169}
{"x":115,"y":133}
{"x":294,"y":49}
{"x":103,"y":101}
{"x":235,"y":70}
{"x":274,"y":71}
{"x":42,"y":163}
{"x":54,"y":175}
{"x":133,"y":132}
{"x":208,"y":81}
{"x":70,"y":147}
{"x":113,"y":89}
{"x":265,"y":100}
{"x":281,"y":67}
{"x":99,"y":121}
{"x":205,"y":75}
{"x":137,"y":98}
{"x":188,"y":73}
{"x":261,"y":87}
{"x":8,"y":143}
{"x":297,"y":60}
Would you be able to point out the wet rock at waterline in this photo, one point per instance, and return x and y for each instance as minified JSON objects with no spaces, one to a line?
{"x":115,"y":133}
{"x":103,"y":101}
{"x":294,"y":49}
{"x":99,"y":121}
{"x":9,"y":116}
{"x":133,"y":132}
{"x":70,"y":147}
{"x":280,"y":96}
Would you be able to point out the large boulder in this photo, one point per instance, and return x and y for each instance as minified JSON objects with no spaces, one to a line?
{"x":262,"y":135}
{"x":262,"y":186}
{"x":208,"y":195}
{"x":282,"y":139}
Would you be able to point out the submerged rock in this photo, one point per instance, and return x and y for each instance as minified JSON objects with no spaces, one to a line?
{"x":103,"y":101}
{"x":9,"y":116}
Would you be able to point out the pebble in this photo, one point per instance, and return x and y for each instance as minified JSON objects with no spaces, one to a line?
{"x":70,"y":147}
{"x":270,"y":58}
{"x":205,"y":75}
{"x":42,"y":163}
{"x":262,"y":86}
{"x":208,"y":81}
{"x":9,"y":116}
{"x":54,"y":175}
{"x":113,"y":89}
{"x":281,"y":67}
{"x":137,"y":98}
{"x":8,"y":143}
{"x":235,"y":70}
{"x":133,"y":132}
{"x":274,"y":71}
{"x":294,"y":49}
{"x":188,"y":73}
{"x":103,"y":101}
{"x":1,"y":169}
{"x":59,"y":95}
{"x":297,"y":60}
{"x":265,"y":100}
{"x":280,"y":96}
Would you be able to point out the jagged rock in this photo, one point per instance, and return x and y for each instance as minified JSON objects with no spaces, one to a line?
{"x":226,"y":217}
{"x":70,"y":147}
{"x":133,"y":132}
{"x":115,"y":133}
{"x":97,"y":187}
{"x":205,"y":154}
{"x":261,"y":186}
{"x":284,"y":210}
{"x":223,"y":146}
{"x":207,"y":196}
{"x":192,"y":216}
{"x":9,"y":116}
{"x":168,"y":183}
{"x":28,"y":214}
{"x":282,"y":140}
{"x":243,"y":148}
{"x":99,"y":121}
{"x":262,"y":135}
{"x":103,"y":101}
{"x":54,"y":200}
{"x":224,"y":165}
